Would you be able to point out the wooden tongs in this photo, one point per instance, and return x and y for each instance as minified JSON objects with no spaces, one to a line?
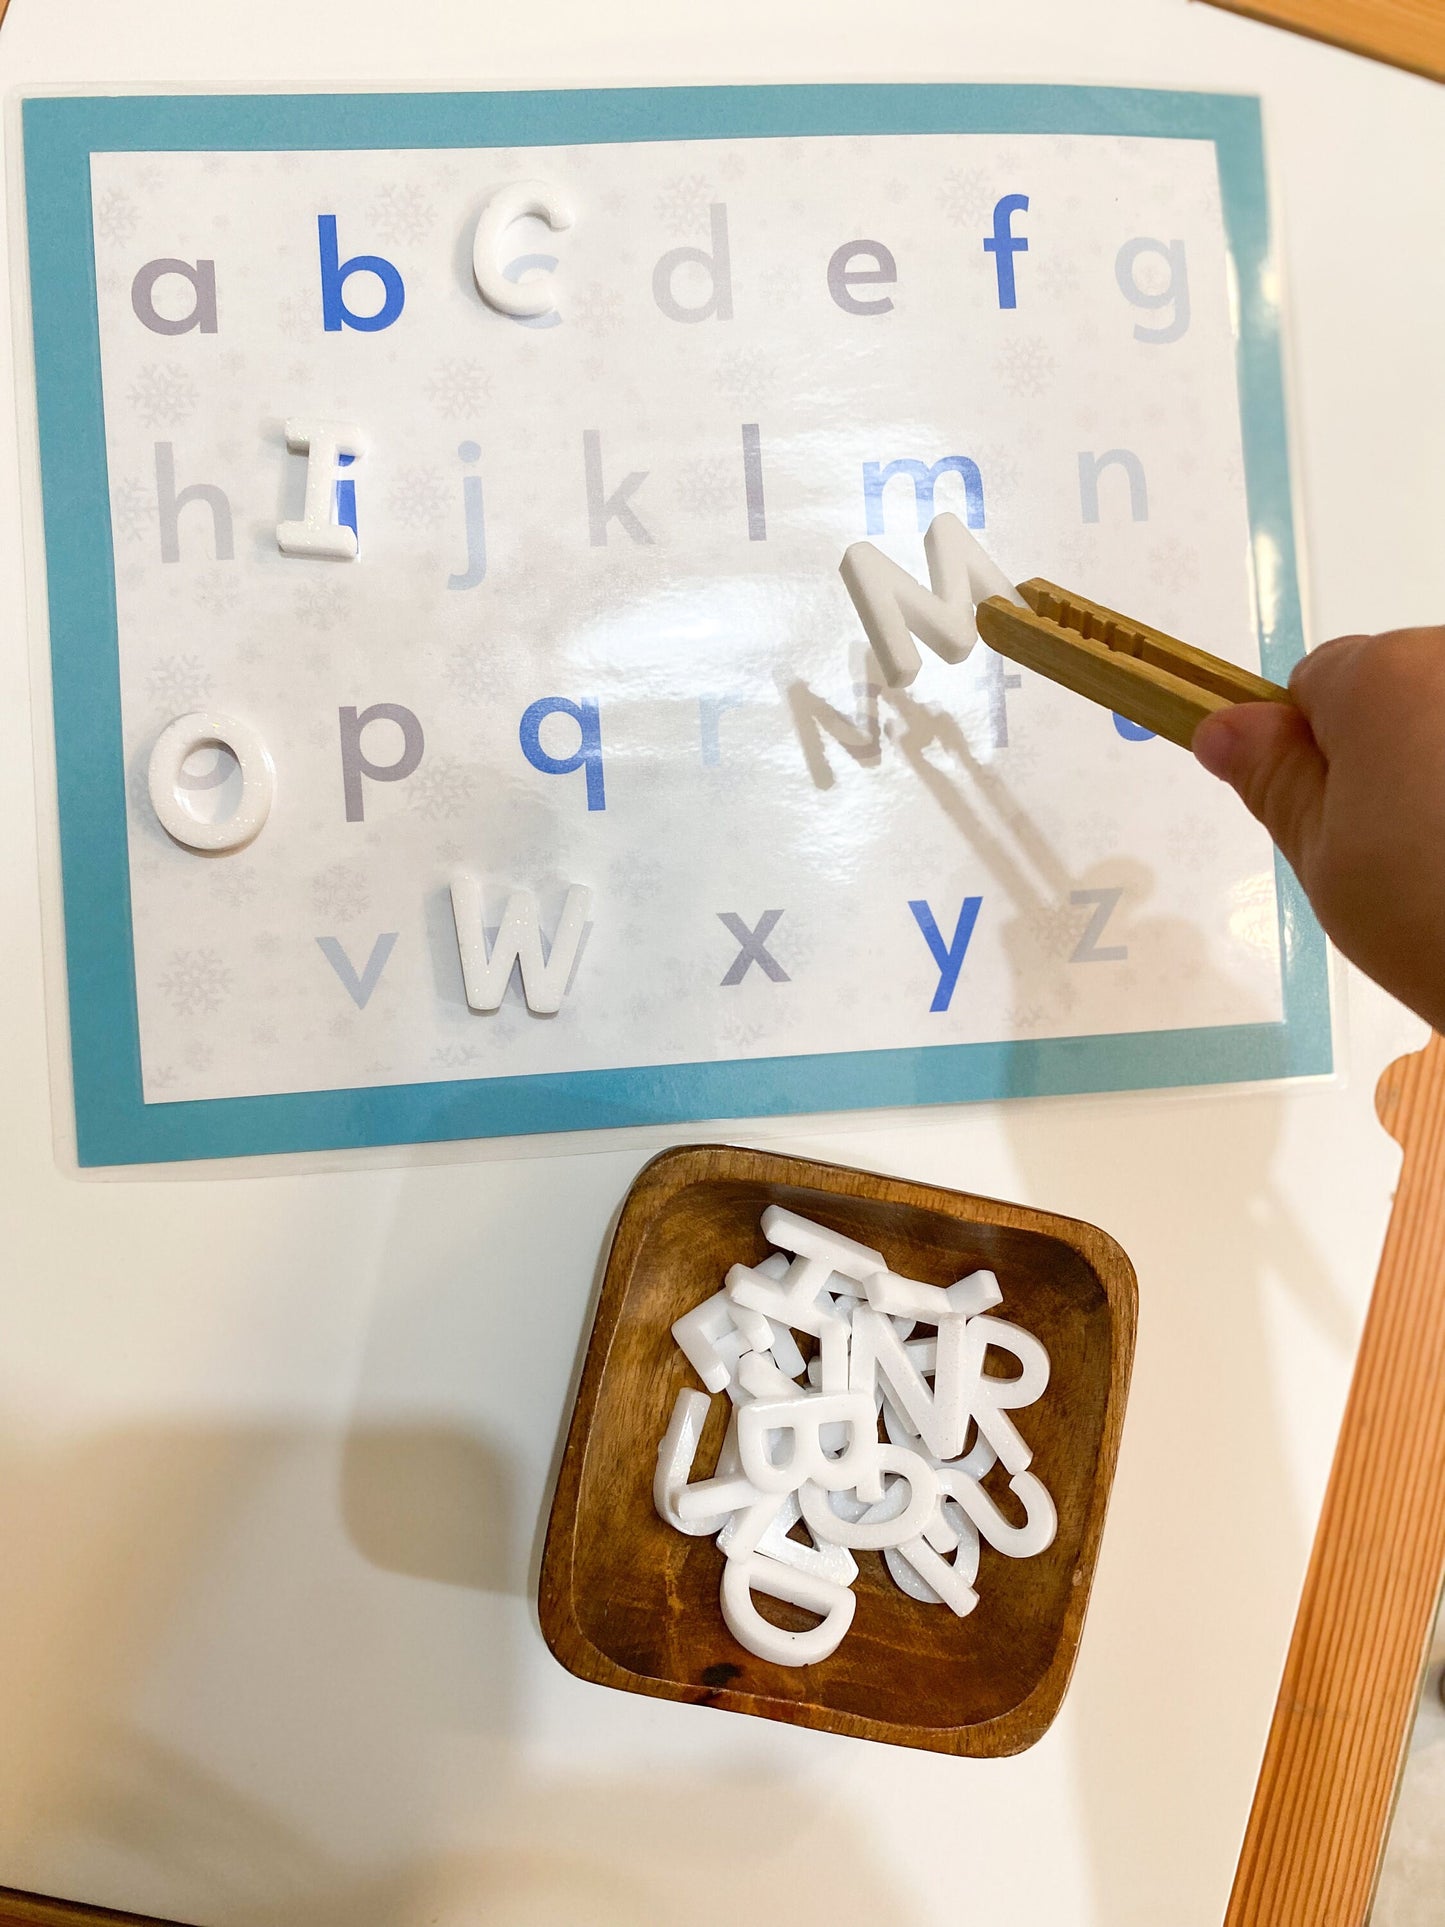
{"x":1150,"y":678}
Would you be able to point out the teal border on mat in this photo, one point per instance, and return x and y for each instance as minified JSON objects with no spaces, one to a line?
{"x":113,"y":1123}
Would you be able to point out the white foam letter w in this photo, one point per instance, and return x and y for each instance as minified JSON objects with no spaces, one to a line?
{"x":486,"y":973}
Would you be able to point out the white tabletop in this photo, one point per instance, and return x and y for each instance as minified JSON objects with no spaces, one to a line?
{"x":275,"y":1452}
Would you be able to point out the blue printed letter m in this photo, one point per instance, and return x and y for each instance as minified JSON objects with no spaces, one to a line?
{"x":925,"y":480}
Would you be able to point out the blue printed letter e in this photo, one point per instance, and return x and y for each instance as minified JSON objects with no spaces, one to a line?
{"x":335,"y":272}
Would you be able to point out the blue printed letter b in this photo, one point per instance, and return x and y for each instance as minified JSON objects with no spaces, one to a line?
{"x":335,"y":273}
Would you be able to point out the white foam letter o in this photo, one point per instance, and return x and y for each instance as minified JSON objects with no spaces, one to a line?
{"x":180,"y":739}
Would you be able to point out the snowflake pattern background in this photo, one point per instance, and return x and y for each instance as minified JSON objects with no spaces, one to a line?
{"x":459,"y":388}
{"x":163,"y":396}
{"x":195,"y":981}
{"x":707,"y":809}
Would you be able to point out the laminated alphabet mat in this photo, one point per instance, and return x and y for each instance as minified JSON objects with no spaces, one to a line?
{"x":443,"y":503}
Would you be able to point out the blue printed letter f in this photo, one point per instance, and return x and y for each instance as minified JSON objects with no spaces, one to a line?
{"x":1003,"y":244}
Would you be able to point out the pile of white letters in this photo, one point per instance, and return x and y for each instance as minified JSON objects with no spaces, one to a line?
{"x":803,"y":1442}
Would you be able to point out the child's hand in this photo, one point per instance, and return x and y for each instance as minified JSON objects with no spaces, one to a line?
{"x":1351,"y":785}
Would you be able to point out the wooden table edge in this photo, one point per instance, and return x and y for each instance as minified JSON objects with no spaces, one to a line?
{"x":1399,"y":32}
{"x":19,"y":1909}
{"x":1319,"y":1823}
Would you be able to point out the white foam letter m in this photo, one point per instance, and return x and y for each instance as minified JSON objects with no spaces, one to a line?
{"x":519,"y":941}
{"x":893,"y":608}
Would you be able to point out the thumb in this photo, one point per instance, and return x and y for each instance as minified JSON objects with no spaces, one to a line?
{"x":1267,"y":752}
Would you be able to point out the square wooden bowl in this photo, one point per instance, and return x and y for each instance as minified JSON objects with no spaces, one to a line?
{"x":628,"y":1602}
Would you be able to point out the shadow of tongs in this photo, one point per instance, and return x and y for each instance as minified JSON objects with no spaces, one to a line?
{"x":1143,"y":675}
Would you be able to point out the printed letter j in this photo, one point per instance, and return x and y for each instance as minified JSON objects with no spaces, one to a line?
{"x":472,"y":509}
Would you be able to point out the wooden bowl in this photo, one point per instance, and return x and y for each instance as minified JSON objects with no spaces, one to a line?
{"x":628,"y":1602}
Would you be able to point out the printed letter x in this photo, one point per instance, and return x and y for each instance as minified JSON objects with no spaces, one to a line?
{"x":754,"y":947}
